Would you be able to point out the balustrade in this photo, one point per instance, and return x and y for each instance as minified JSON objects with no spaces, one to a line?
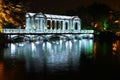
{"x":45,"y":31}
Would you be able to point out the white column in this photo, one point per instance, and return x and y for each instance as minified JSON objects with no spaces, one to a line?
{"x":51,"y":25}
{"x":27,"y":23}
{"x":59,"y":28}
{"x":74,"y":25}
{"x":41,"y":25}
{"x":37,"y":23}
{"x":55,"y":26}
{"x":33,"y":24}
{"x":63,"y":26}
{"x":78,"y":25}
{"x":45,"y":24}
{"x":70,"y":25}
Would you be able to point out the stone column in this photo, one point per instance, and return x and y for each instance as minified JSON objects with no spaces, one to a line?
{"x":79,"y":27}
{"x":41,"y":25}
{"x":45,"y":24}
{"x":50,"y":25}
{"x":33,"y":24}
{"x":63,"y":26}
{"x":55,"y":26}
{"x":80,"y":24}
{"x":37,"y":23}
{"x":70,"y":25}
{"x":27,"y":23}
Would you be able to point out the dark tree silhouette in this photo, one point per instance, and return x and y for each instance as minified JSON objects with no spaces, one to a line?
{"x":98,"y":10}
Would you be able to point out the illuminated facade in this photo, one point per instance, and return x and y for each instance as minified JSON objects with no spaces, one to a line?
{"x":39,"y":23}
{"x":54,"y":23}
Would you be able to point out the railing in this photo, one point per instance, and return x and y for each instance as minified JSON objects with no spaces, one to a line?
{"x":45,"y":31}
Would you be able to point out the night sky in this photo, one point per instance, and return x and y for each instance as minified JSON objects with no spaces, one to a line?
{"x":60,"y":6}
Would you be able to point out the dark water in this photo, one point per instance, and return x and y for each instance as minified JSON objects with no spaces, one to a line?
{"x":60,"y":60}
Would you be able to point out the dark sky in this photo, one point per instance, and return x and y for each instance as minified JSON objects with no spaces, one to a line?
{"x":60,"y":6}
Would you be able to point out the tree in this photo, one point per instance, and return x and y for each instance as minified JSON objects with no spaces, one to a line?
{"x":86,"y":18}
{"x":100,"y":14}
{"x":11,"y":13}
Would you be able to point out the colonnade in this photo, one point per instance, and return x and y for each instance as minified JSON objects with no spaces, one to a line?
{"x":45,"y":22}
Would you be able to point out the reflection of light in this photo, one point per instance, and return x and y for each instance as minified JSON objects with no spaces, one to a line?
{"x":91,"y":42}
{"x":37,"y":42}
{"x":117,"y":21}
{"x":75,"y":40}
{"x":33,"y":47}
{"x":114,"y":48}
{"x":12,"y":49}
{"x":47,"y":45}
{"x":95,"y":49}
{"x":68,"y":35}
{"x":91,"y":35}
{"x":20,"y":44}
{"x":89,"y":46}
{"x":96,"y":25}
{"x":1,"y":71}
{"x":70,"y":44}
{"x":84,"y":41}
{"x":61,"y":41}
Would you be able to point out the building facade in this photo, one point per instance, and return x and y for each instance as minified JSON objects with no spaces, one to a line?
{"x":49,"y":22}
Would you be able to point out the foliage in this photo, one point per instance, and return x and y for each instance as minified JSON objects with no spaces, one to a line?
{"x":94,"y":14}
{"x":11,"y":13}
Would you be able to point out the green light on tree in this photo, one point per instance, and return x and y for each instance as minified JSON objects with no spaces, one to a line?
{"x":105,"y":25}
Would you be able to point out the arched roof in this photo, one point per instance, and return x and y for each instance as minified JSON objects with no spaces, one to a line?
{"x":40,"y":15}
{"x":52,"y":16}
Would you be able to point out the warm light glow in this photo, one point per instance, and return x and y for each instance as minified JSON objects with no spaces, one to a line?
{"x":96,"y":25}
{"x":114,"y":48}
{"x":117,"y":21}
{"x":95,"y":50}
{"x":7,"y":13}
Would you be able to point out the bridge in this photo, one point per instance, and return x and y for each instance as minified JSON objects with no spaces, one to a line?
{"x":48,"y":24}
{"x":40,"y":32}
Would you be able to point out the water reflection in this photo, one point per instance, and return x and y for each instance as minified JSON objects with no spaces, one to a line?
{"x":34,"y":59}
{"x":57,"y":55}
{"x":107,"y":60}
{"x":1,"y":71}
{"x":116,"y":49}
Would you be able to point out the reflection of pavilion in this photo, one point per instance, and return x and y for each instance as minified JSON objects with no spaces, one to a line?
{"x":52,"y":54}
